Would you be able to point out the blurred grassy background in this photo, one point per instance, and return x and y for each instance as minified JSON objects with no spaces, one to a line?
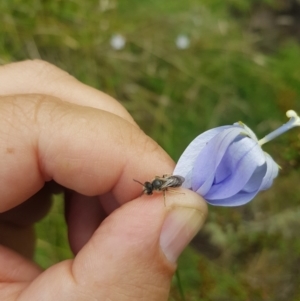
{"x":242,"y":63}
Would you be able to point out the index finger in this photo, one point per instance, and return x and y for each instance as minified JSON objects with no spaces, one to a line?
{"x":40,"y":77}
{"x":88,"y":150}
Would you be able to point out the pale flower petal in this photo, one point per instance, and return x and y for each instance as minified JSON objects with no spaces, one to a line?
{"x":235,"y":183}
{"x":227,"y":166}
{"x":271,"y":173}
{"x":187,"y":160}
{"x":209,"y":159}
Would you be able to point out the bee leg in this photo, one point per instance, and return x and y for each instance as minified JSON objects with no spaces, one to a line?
{"x":164,"y":194}
{"x":175,"y":191}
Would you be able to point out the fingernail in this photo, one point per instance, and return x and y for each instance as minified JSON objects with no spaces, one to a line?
{"x":179,"y":228}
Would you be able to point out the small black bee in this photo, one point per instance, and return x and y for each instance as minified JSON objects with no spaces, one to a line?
{"x":161,"y":184}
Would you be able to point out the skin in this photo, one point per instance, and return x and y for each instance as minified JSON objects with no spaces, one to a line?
{"x":57,"y":134}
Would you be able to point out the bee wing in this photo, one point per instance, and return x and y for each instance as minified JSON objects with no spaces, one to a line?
{"x":168,"y":182}
{"x":179,"y":178}
{"x":173,"y":181}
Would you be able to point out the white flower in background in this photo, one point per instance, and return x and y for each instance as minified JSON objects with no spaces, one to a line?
{"x":117,"y":42}
{"x":182,"y":42}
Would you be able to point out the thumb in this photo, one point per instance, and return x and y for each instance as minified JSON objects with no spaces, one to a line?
{"x":132,"y":255}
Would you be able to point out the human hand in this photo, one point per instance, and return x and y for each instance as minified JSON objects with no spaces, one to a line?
{"x":58,"y":134}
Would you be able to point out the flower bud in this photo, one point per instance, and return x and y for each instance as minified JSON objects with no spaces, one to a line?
{"x":227,"y":166}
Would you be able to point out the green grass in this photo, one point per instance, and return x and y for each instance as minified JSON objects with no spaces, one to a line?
{"x":52,"y":243}
{"x":174,"y":95}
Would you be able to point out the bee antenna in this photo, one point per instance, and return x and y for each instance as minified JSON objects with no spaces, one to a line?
{"x":138,"y":182}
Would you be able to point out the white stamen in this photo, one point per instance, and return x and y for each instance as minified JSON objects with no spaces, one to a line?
{"x":293,"y":122}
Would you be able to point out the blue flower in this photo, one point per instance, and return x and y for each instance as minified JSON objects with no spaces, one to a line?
{"x":227,"y":166}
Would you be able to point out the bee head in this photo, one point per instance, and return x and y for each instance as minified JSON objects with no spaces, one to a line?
{"x":148,"y":188}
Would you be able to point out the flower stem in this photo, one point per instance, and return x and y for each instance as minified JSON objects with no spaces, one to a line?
{"x":293,"y":122}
